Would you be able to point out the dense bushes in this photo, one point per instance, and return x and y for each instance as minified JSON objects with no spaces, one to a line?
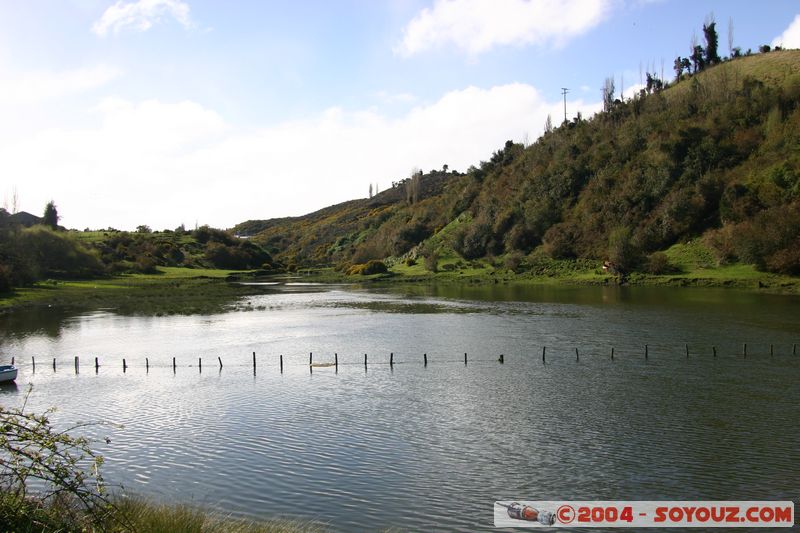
{"x":367,"y":269}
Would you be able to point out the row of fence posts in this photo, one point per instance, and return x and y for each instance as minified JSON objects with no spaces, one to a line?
{"x":501,"y":359}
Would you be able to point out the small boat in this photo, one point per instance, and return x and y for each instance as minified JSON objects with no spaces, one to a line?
{"x":8,"y":373}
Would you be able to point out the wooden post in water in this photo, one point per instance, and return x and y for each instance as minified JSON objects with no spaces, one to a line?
{"x":425,"y":359}
{"x":365,"y":360}
{"x":33,"y":362}
{"x":147,"y":364}
{"x":714,"y":348}
{"x":770,"y":350}
{"x":501,"y":359}
{"x":96,"y":364}
{"x":544,"y":351}
{"x":794,"y":352}
{"x":310,"y":358}
{"x":220,"y":361}
{"x":12,"y":360}
{"x":687,"y":350}
{"x":336,"y":359}
{"x":173,"y":365}
{"x":77,"y":364}
{"x":391,"y":359}
{"x":254,"y":361}
{"x":281,"y":363}
{"x":465,"y":358}
{"x":54,"y":364}
{"x":200,"y":363}
{"x":646,"y":349}
{"x":124,"y":366}
{"x":612,"y":353}
{"x":744,"y":349}
{"x":577,"y":355}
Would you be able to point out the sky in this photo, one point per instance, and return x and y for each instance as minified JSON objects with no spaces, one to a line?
{"x":169,"y":112}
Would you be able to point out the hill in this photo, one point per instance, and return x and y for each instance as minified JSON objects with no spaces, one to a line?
{"x":714,"y":156}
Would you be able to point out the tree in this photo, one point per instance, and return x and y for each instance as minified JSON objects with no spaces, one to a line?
{"x":698,"y":58}
{"x":144,"y":228}
{"x":548,"y":124}
{"x":608,"y":94}
{"x":370,"y":190}
{"x":730,"y":37}
{"x":678,"y":67}
{"x":51,"y":215}
{"x":712,"y":41}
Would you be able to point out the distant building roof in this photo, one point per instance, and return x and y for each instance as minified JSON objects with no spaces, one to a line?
{"x":24,"y":218}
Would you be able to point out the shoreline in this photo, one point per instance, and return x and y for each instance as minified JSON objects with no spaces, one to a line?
{"x":188,"y":291}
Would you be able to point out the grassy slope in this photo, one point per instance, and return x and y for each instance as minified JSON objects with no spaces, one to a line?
{"x":328,"y":233}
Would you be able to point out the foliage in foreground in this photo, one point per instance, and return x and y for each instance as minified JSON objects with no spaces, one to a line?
{"x":50,"y":481}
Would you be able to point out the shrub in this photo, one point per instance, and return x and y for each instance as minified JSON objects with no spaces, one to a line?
{"x":432,"y":262}
{"x":658,"y":263}
{"x":513,"y":262}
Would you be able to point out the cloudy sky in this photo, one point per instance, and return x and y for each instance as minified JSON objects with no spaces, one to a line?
{"x":164,"y":112}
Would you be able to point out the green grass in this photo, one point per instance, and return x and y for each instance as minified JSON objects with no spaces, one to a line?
{"x":172,"y":291}
{"x":131,"y":515}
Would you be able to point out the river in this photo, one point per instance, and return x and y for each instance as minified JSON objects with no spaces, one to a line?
{"x":430,"y":448}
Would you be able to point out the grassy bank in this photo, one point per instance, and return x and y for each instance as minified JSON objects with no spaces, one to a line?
{"x":130,"y":515}
{"x":692,"y":265}
{"x":170,"y":291}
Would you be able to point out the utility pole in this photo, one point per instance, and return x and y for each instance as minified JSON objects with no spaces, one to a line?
{"x":564,"y":92}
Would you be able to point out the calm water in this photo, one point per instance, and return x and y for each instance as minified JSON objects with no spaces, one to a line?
{"x":431,"y":448}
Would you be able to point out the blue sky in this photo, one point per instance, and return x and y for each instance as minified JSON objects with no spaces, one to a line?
{"x":164,"y":112}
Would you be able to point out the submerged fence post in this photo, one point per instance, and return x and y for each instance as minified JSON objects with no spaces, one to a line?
{"x":54,"y":364}
{"x":124,"y":365}
{"x":501,"y":359}
{"x":173,"y":365}
{"x":612,"y":353}
{"x":254,"y":361}
{"x":220,"y":361}
{"x":336,"y":359}
{"x":310,"y":358}
{"x":770,"y":350}
{"x":714,"y":348}
{"x":33,"y":362}
{"x":425,"y":359}
{"x":544,"y":351}
{"x":465,"y":358}
{"x":281,"y":363}
{"x":96,"y":364}
{"x":391,"y":359}
{"x":147,"y":364}
{"x":577,"y":355}
{"x":12,"y":360}
{"x":794,"y":352}
{"x":365,"y":360}
{"x":646,"y":350}
{"x":687,"y":350}
{"x":744,"y":349}
{"x":77,"y":363}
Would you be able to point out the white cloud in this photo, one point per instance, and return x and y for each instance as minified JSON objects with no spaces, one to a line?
{"x":141,"y":15}
{"x":38,"y":86}
{"x":479,"y":25}
{"x":163,"y":164}
{"x":790,"y":38}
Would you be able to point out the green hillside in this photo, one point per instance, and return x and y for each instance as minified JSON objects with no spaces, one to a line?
{"x":712,"y":159}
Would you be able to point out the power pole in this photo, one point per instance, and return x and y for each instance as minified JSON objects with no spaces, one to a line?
{"x":564,"y":92}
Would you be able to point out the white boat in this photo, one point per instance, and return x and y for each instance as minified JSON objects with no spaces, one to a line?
{"x":8,"y":373}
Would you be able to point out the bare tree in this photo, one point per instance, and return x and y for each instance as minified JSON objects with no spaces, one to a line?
{"x":608,"y":94}
{"x":548,"y":124}
{"x":730,"y":37}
